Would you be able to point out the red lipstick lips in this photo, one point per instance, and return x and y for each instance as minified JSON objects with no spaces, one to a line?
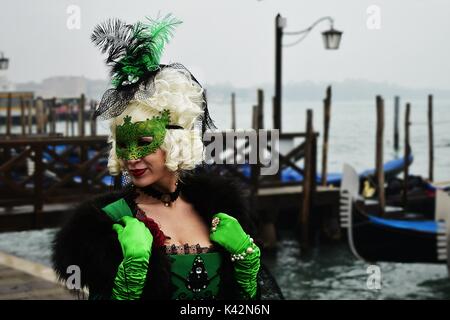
{"x":137,"y":172}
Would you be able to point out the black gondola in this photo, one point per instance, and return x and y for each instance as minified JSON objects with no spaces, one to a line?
{"x":407,"y":239}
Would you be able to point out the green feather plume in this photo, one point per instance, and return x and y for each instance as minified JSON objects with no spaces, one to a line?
{"x":133,"y":50}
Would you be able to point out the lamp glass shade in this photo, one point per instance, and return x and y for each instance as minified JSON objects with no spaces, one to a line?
{"x":331,"y":39}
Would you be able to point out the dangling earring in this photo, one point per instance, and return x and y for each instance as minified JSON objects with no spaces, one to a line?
{"x":177,"y":176}
{"x":126,"y":179}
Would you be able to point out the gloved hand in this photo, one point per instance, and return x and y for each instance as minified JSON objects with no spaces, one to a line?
{"x":244,"y":253}
{"x":136,"y":242}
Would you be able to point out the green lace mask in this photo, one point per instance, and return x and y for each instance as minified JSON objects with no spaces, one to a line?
{"x":130,"y":141}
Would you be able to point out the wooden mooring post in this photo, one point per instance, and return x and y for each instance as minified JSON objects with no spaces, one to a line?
{"x":254,"y":117}
{"x":379,"y":171}
{"x":430,"y":139}
{"x":260,"y":118}
{"x":407,"y":150}
{"x":326,"y":129}
{"x":396,"y":122}
{"x":71,"y":119}
{"x":22,"y":116}
{"x":66,"y":122}
{"x":38,"y":181}
{"x":30,"y":115}
{"x":9,"y":115}
{"x":255,"y":169}
{"x":45,"y":116}
{"x":274,"y":121}
{"x":309,"y":181}
{"x":233,"y":111}
{"x":257,"y":112}
{"x":40,"y":115}
{"x":93,"y":121}
{"x":81,"y":105}
{"x":53,"y":117}
{"x":30,"y":104}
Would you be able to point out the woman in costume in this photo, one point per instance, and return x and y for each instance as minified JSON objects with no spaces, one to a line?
{"x":174,"y":232}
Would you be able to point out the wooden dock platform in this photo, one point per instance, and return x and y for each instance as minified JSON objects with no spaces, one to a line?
{"x":25,"y":280}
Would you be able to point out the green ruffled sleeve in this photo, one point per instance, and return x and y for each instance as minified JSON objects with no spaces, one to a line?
{"x":246,"y":272}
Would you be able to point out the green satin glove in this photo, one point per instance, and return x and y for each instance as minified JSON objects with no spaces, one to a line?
{"x":136,"y":242}
{"x":228,"y":233}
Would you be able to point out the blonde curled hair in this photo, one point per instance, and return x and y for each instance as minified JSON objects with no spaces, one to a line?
{"x":177,"y":92}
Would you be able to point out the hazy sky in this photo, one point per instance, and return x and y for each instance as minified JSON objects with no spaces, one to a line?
{"x":233,"y":41}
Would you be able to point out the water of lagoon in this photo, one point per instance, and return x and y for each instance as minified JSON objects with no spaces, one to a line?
{"x":328,"y":272}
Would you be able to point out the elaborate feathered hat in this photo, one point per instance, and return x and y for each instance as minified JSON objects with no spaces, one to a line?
{"x":134,"y":53}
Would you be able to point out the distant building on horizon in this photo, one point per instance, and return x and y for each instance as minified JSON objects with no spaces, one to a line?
{"x":66,"y":87}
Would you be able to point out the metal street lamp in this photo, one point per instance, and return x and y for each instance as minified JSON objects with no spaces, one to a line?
{"x":331,"y":39}
{"x":4,"y":62}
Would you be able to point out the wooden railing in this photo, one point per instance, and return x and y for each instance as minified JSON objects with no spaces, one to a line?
{"x":39,"y":170}
{"x":43,"y":170}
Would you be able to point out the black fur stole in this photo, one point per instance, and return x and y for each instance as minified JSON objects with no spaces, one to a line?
{"x":88,"y":240}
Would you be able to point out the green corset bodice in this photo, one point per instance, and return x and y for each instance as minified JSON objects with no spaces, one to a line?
{"x":195,"y":276}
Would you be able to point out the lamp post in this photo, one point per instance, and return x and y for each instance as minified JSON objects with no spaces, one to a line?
{"x":331,"y":38}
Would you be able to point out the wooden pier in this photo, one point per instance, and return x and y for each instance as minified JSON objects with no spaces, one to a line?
{"x":38,"y":183}
{"x":25,"y":280}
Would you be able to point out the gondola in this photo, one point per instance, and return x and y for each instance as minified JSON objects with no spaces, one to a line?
{"x":406,"y":238}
